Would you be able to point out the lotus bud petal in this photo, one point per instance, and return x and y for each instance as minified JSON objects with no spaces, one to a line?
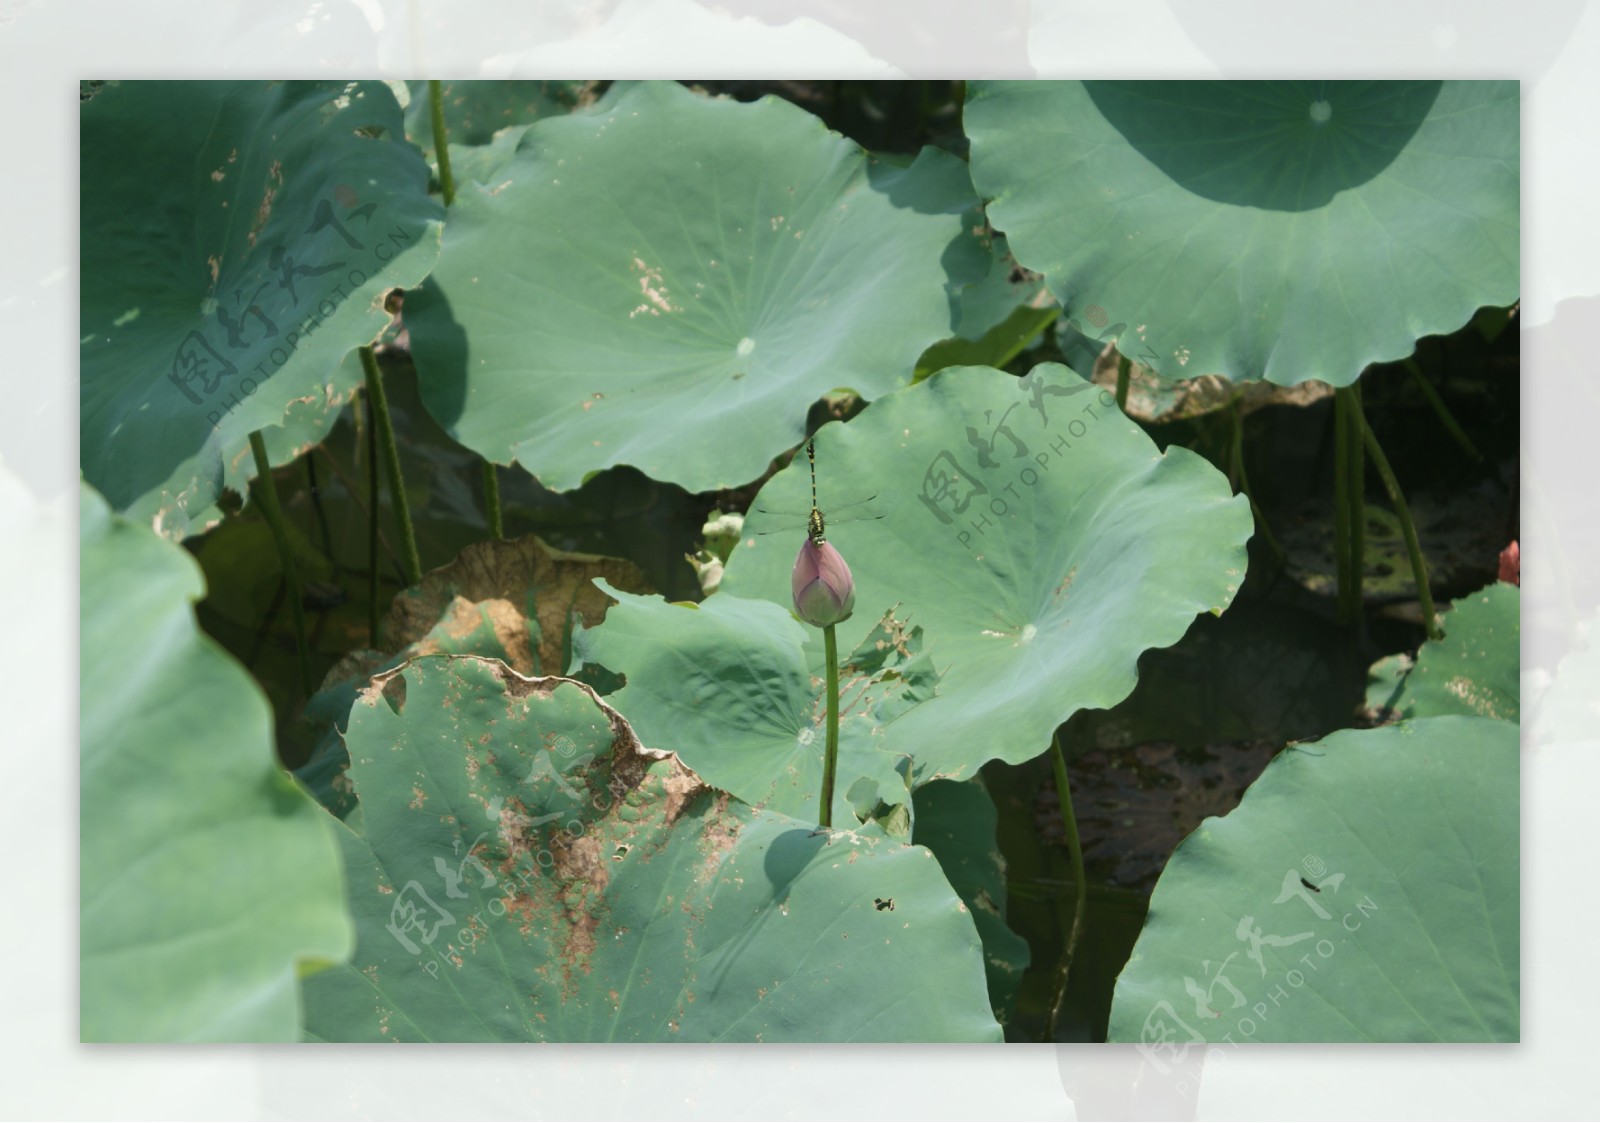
{"x":824,"y":591}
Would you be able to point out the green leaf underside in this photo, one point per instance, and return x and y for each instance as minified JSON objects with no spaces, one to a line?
{"x":1278,"y":230}
{"x":206,"y":876}
{"x":1038,"y":539}
{"x":527,"y":873}
{"x":669,"y":281}
{"x":245,"y":234}
{"x":1409,"y":833}
{"x":1475,"y":669}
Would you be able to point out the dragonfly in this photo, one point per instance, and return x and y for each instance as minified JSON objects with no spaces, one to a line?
{"x":816,"y":524}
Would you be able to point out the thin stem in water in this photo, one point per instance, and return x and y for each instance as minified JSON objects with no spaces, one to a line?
{"x":267,"y":495}
{"x":491,"y":500}
{"x":830,"y":759}
{"x":1356,"y":494}
{"x":1080,"y":885}
{"x":1419,"y":568}
{"x":1341,"y":504}
{"x":384,"y":429}
{"x":1244,"y":480}
{"x":1446,"y":418}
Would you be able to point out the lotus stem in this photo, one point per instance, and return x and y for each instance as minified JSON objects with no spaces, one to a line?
{"x":830,"y":759}
{"x":1419,"y":567}
{"x":1356,"y":493}
{"x":322,"y":515}
{"x":267,"y":495}
{"x":1341,"y":505}
{"x":391,"y":455}
{"x":441,"y":142}
{"x":1244,"y":480}
{"x":370,"y":439}
{"x":1080,"y":883}
{"x":1446,"y":418}
{"x":491,"y":499}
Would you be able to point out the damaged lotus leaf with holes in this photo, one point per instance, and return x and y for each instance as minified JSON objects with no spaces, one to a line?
{"x":528,"y":872}
{"x":1276,"y":230}
{"x":518,"y":601}
{"x":553,"y":589}
{"x":1475,"y":669}
{"x":1154,"y":400}
{"x":668,"y":281}
{"x":736,"y":687}
{"x":1365,"y":889}
{"x":1039,"y":540}
{"x":208,"y":882}
{"x":244,"y":237}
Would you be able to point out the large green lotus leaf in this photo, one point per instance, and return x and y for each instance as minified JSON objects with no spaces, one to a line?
{"x":207,"y":879}
{"x":528,"y":872}
{"x":1037,"y":537}
{"x":1278,"y":230}
{"x":1475,"y":669}
{"x":957,"y":822}
{"x":669,"y":281}
{"x":238,"y":238}
{"x":1365,"y":889}
{"x":728,"y":685}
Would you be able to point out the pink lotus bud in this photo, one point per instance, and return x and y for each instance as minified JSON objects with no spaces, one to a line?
{"x":824,"y":591}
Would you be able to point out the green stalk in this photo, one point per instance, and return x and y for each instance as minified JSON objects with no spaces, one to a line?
{"x":322,"y":516}
{"x":1341,"y":503}
{"x":491,"y":500}
{"x":1356,"y":495}
{"x":1446,"y":418}
{"x":1419,"y":568}
{"x":1124,"y":368}
{"x":267,"y":495}
{"x":830,"y":759}
{"x":441,"y":145}
{"x":1044,"y":320}
{"x":371,"y":439}
{"x":1080,"y":883}
{"x":1244,"y":481}
{"x":391,"y":455}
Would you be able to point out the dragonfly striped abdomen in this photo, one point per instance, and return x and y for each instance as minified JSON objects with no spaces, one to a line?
{"x":813,"y":521}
